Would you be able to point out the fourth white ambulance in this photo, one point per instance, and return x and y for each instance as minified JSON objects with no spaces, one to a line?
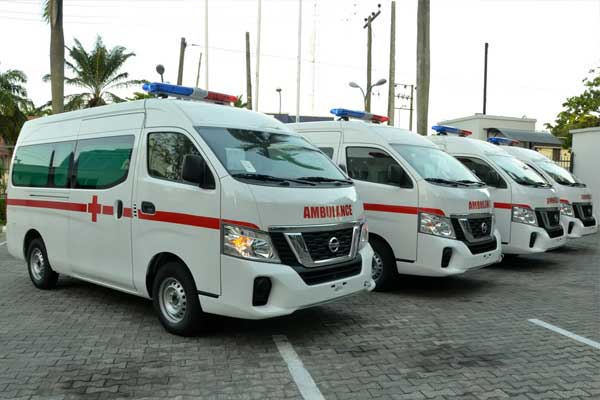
{"x":428,"y":214}
{"x":201,"y":207}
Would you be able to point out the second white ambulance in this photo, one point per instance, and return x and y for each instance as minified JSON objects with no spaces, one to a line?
{"x":427,"y":213}
{"x":203,"y":208}
{"x":576,"y":209}
{"x":526,"y":206}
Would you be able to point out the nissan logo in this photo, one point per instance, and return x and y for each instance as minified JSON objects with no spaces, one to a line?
{"x":334,"y":244}
{"x":484,"y":227}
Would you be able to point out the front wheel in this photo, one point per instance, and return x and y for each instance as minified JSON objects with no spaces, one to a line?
{"x":40,"y":272}
{"x":383,"y":267}
{"x":175,"y":299}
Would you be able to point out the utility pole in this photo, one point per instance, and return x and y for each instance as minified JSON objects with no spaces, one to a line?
{"x":408,"y":97}
{"x":485,"y":62}
{"x":368,"y":21}
{"x":391,"y":86}
{"x":299,"y":61}
{"x":248,"y":74}
{"x":256,"y":80}
{"x":182,"y":47}
{"x":412,"y":96}
{"x":206,"y":43}
{"x":423,"y":67}
{"x":198,"y":73}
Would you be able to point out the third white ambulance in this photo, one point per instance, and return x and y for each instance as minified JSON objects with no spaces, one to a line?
{"x":427,"y":213}
{"x":203,"y":208}
{"x":526,"y":206}
{"x":576,"y":210}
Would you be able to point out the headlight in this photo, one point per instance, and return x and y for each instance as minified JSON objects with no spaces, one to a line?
{"x":524,"y":215}
{"x":436,"y":225}
{"x":364,"y":236}
{"x":247,"y":243}
{"x":566,"y":209}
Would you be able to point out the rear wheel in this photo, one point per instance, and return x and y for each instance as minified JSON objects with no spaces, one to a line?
{"x":40,"y":272}
{"x":175,"y":299}
{"x":383,"y":267}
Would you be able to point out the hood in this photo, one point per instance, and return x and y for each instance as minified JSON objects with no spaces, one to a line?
{"x":573,"y":194}
{"x":534,"y":197}
{"x":269,"y":206}
{"x":454,"y":200}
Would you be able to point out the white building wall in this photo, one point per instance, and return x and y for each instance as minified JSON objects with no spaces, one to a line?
{"x":586,"y":147}
{"x":478,"y":124}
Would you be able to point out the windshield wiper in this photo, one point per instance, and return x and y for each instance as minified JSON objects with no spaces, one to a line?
{"x":263,"y":177}
{"x":323,"y":179}
{"x":445,"y":181}
{"x":468,"y":182}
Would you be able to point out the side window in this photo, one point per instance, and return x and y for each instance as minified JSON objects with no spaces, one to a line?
{"x":369,"y":164}
{"x":102,"y":163}
{"x":165,"y":154}
{"x":483,"y":171}
{"x":61,"y":164}
{"x":328,"y":151}
{"x":31,"y":166}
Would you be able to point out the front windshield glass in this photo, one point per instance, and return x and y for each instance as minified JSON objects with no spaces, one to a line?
{"x":436,"y":166}
{"x":560,"y":175}
{"x":270,"y":157}
{"x":518,"y":171}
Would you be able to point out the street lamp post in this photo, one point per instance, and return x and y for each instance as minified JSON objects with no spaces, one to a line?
{"x":199,"y":64}
{"x":368,"y":91}
{"x":161,"y":70}
{"x":278,"y":90}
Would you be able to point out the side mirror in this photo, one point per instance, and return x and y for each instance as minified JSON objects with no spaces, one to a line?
{"x":397,"y":176}
{"x":195,"y":170}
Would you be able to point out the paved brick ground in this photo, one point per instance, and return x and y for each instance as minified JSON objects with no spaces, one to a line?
{"x":459,"y":338}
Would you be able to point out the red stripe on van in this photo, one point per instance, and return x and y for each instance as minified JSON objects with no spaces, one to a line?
{"x":127,"y":212}
{"x":509,"y":206}
{"x":401,"y":209}
{"x":182,"y":219}
{"x":55,"y":205}
{"x":240,"y":223}
{"x":564,"y":201}
{"x":107,"y":210}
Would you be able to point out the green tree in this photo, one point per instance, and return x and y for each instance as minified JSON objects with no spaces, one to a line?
{"x":97,"y":71}
{"x":53,"y":14}
{"x":13,"y":100}
{"x":582,"y":111}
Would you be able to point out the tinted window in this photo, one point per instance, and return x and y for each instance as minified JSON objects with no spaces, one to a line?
{"x":165,"y":154}
{"x":518,"y":171}
{"x":61,"y":164}
{"x":31,"y":166}
{"x":328,"y":151}
{"x":483,"y":171}
{"x":369,"y":164}
{"x":102,"y":163}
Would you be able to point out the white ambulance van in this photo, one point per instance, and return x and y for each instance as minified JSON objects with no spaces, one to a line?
{"x":202,"y":207}
{"x":526,"y":206}
{"x":428,"y":214}
{"x":576,"y":210}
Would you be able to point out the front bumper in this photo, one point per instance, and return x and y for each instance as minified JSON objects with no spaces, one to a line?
{"x":576,"y":227}
{"x":288,"y":293}
{"x":429,"y":257}
{"x":520,"y":237}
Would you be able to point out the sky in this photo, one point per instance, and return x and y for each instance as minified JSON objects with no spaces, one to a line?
{"x":539,"y":50}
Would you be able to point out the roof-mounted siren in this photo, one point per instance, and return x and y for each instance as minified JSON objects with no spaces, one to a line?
{"x":444,"y":130}
{"x":499,"y":140}
{"x":345,"y":114}
{"x":189,"y":93}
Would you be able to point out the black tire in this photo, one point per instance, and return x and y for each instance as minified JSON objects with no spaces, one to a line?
{"x":40,"y":272}
{"x":386,"y":273}
{"x":175,"y":300}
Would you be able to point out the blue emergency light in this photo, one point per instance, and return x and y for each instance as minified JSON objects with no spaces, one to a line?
{"x":344,"y":114}
{"x":444,"y":130}
{"x":191,"y":93}
{"x":498,"y":140}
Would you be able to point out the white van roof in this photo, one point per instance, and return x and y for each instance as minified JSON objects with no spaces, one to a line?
{"x":525,"y":154}
{"x":464,"y":145}
{"x":365,"y":132}
{"x":159,"y":112}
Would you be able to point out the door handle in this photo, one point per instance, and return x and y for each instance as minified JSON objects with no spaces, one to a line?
{"x":148,"y":208}
{"x":119,"y":209}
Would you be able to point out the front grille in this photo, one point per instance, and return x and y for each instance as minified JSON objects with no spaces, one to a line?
{"x":584,"y":212}
{"x":476,"y":225}
{"x":550,"y":221}
{"x":318,"y":243}
{"x":284,"y":251}
{"x":314,"y":276}
{"x":480,"y":246}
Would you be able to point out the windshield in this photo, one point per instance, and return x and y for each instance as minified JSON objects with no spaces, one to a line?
{"x":436,"y":166}
{"x":560,"y":175}
{"x":272,"y":158}
{"x":518,"y":171}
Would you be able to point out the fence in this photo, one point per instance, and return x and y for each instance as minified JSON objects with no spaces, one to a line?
{"x":567,"y":163}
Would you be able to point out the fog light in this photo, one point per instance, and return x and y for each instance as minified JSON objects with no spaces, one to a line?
{"x":532,"y":239}
{"x":446,"y":256}
{"x":261,"y":291}
{"x":571,"y":226}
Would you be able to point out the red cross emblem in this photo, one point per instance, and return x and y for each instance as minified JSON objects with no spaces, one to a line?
{"x":94,"y":208}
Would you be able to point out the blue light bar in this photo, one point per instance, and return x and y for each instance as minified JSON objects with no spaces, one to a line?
{"x":167,"y":88}
{"x":445,"y":129}
{"x":498,"y":140}
{"x":365,"y":116}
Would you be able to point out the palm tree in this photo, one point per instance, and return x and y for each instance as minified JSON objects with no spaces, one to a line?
{"x":422,"y":66}
{"x":13,"y":100}
{"x":53,"y":13}
{"x":97,"y":71}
